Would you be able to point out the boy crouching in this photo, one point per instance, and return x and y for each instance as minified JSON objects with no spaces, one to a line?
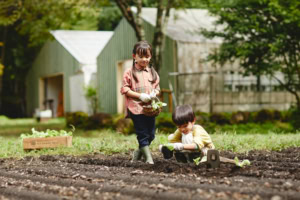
{"x":190,"y":140}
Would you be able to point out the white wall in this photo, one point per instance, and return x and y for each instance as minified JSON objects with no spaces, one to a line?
{"x":121,"y":67}
{"x":77,"y":99}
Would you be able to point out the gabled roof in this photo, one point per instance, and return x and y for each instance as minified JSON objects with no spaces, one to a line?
{"x":85,"y":46}
{"x":184,"y":25}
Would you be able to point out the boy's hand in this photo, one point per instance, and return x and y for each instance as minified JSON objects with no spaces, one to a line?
{"x":170,"y":146}
{"x":145,"y":97}
{"x":204,"y":151}
{"x":178,"y":146}
{"x":174,"y":146}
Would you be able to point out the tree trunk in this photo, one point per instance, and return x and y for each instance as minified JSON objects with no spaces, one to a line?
{"x":160,"y":31}
{"x":158,"y":35}
{"x":139,"y":20}
{"x":2,"y":61}
{"x":137,"y":25}
{"x":129,"y":16}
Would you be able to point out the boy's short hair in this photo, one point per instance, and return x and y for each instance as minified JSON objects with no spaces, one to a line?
{"x":183,"y":115}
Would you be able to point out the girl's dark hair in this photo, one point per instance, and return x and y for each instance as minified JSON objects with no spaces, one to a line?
{"x":183,"y":115}
{"x":141,"y":48}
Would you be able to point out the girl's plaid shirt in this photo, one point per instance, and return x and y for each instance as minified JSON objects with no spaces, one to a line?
{"x":143,"y":86}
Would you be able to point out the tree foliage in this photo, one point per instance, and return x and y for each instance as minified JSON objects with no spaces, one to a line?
{"x":22,"y":35}
{"x":109,"y":18}
{"x":10,"y":11}
{"x":263,"y":34}
{"x":39,"y":17}
{"x":162,"y":17}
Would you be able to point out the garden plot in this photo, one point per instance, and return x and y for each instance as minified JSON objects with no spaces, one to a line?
{"x":272,"y":175}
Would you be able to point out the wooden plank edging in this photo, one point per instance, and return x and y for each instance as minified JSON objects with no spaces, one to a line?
{"x":47,"y":142}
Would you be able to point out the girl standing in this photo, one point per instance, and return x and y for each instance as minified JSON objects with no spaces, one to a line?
{"x":141,"y":84}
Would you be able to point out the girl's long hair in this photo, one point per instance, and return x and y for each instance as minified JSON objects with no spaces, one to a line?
{"x":141,"y":48}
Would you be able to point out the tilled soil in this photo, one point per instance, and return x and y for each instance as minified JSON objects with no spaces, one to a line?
{"x":272,"y":175}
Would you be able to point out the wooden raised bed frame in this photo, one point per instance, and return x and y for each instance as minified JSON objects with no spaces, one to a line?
{"x":47,"y":142}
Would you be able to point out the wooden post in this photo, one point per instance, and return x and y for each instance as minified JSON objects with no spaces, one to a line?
{"x":170,"y":100}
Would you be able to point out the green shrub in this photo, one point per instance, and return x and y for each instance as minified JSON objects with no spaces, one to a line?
{"x":164,"y":123}
{"x":116,"y":118}
{"x":277,"y":115}
{"x":81,"y":120}
{"x":220,"y":118}
{"x":124,"y":126}
{"x":202,"y":117}
{"x":78,"y":119}
{"x":253,"y":128}
{"x":295,"y":118}
{"x":4,"y":118}
{"x":91,"y":95}
{"x":210,"y":127}
{"x":263,"y":116}
{"x":286,"y":116}
{"x":240,"y":117}
{"x":99,"y":120}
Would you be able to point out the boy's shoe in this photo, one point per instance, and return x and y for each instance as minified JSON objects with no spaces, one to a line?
{"x":180,"y":157}
{"x":193,"y":155}
{"x":167,"y":153}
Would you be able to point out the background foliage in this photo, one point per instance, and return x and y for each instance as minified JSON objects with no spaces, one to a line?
{"x":263,"y":122}
{"x":264,"y":35}
{"x":25,"y":33}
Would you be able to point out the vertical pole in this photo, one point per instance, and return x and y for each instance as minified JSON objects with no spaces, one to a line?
{"x":177,"y":92}
{"x":211,"y":90}
{"x":170,"y":102}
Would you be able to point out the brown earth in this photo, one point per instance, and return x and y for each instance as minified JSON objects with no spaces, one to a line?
{"x":272,"y":175}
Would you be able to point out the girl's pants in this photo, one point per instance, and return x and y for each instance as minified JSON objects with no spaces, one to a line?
{"x":144,"y":128}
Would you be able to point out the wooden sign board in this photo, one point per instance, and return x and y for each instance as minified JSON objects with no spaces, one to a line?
{"x":49,"y":142}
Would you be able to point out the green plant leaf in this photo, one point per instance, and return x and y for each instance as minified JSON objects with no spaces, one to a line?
{"x":241,"y":163}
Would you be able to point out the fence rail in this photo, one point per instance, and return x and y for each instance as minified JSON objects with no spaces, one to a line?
{"x":228,"y":91}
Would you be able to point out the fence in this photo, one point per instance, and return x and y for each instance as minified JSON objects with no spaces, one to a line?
{"x":228,"y":91}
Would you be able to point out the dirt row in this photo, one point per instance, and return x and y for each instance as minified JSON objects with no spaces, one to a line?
{"x":271,"y":175}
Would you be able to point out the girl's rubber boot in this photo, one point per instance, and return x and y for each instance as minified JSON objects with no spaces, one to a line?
{"x":137,"y":155}
{"x":147,"y":154}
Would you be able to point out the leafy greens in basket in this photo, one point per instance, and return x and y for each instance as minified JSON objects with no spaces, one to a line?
{"x":157,"y":105}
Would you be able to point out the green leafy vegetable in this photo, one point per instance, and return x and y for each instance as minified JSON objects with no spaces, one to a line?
{"x":47,"y":133}
{"x":170,"y":146}
{"x":157,"y":104}
{"x":199,"y":160}
{"x":241,"y":163}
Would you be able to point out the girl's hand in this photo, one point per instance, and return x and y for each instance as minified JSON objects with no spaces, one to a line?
{"x":153,"y":94}
{"x":145,"y":97}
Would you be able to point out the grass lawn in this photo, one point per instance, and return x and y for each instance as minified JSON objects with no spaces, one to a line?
{"x":110,"y":142}
{"x":14,"y":127}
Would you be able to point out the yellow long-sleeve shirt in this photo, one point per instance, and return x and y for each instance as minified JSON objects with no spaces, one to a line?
{"x":200,"y":137}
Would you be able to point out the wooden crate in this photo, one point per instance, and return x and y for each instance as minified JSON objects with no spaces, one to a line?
{"x":49,"y":142}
